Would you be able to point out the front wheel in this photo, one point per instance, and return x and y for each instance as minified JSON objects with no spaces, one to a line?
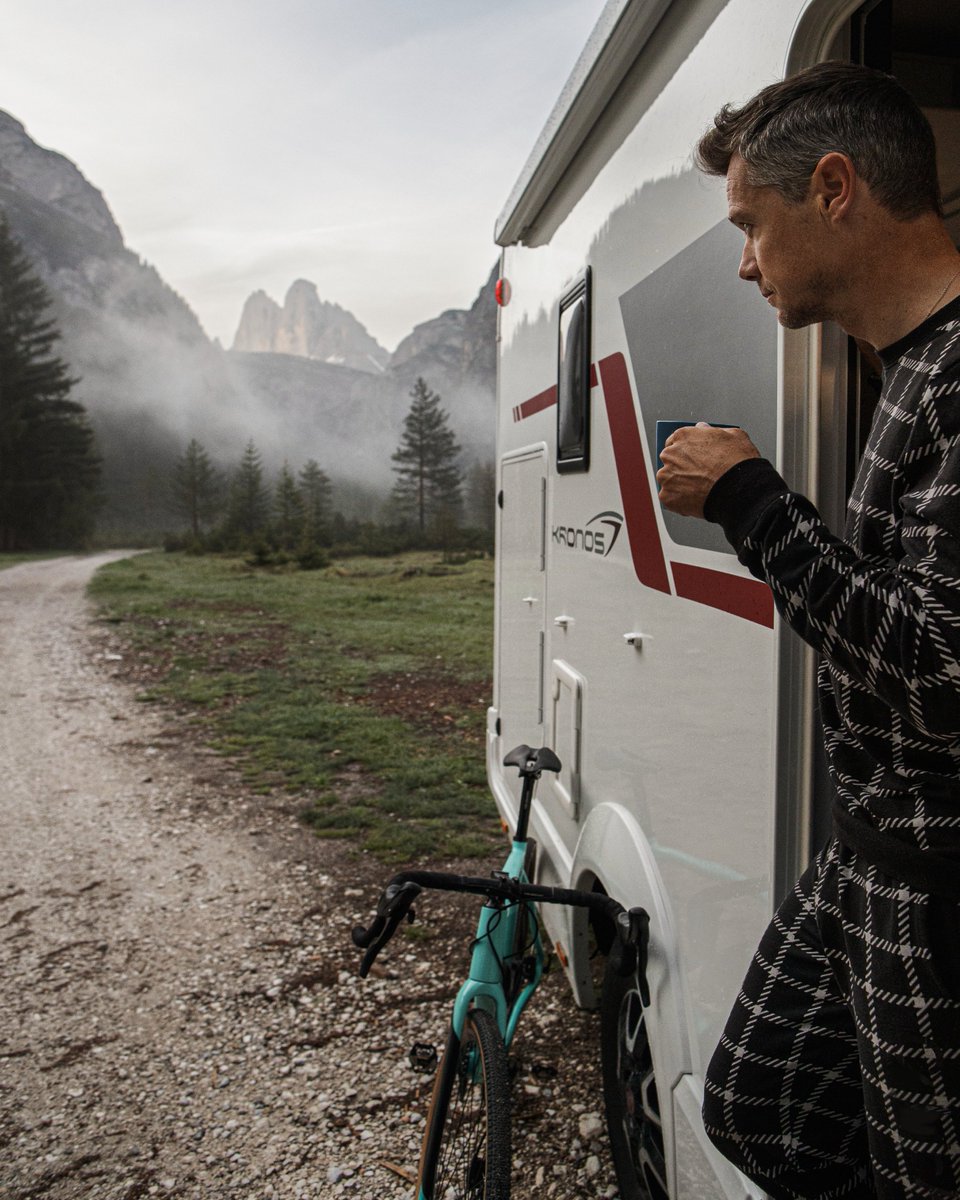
{"x":630,"y":1091}
{"x":466,"y":1146}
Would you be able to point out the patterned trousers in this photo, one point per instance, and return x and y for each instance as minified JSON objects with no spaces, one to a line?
{"x":838,"y":1074}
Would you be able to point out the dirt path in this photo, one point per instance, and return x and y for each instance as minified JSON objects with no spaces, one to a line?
{"x":179,"y":1011}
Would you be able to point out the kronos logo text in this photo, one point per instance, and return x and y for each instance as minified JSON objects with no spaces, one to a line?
{"x":592,"y":538}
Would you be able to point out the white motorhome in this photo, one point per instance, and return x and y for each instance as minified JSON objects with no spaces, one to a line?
{"x":631,"y":640}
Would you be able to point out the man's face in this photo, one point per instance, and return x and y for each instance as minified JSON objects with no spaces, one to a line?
{"x":783,"y":252}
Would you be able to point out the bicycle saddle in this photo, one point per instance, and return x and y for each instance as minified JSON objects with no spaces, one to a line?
{"x":532,"y":762}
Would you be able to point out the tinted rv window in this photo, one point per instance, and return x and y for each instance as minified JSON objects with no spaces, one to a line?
{"x":573,"y":379}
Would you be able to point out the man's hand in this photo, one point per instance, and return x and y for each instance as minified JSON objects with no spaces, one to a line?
{"x":694,"y":457}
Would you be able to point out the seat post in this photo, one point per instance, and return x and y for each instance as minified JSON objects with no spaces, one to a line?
{"x":526,"y":803}
{"x":530,"y":763}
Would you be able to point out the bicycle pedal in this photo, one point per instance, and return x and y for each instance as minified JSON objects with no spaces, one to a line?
{"x":423,"y":1057}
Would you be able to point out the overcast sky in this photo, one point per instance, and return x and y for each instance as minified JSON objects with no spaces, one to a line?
{"x":366,"y":145}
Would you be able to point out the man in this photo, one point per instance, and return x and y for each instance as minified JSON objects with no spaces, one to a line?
{"x":838,"y":1073}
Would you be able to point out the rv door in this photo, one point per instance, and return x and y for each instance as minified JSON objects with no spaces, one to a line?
{"x":522,"y":542}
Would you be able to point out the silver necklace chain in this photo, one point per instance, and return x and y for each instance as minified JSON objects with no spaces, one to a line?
{"x":953,"y":278}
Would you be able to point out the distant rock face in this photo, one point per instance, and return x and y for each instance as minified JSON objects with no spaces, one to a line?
{"x":308,"y":327}
{"x":460,"y":343}
{"x":74,"y":244}
{"x":259,"y":325}
{"x":52,"y":179}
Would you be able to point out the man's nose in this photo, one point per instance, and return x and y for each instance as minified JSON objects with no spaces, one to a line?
{"x":748,"y":263}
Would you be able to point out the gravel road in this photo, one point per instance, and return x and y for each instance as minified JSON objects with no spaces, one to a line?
{"x":179,"y":1008}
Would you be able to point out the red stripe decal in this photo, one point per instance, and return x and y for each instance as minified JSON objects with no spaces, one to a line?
{"x":545,"y":399}
{"x":535,"y":404}
{"x":638,"y":511}
{"x":748,"y":598}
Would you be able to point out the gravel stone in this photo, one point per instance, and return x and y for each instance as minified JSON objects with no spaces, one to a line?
{"x":591,"y":1126}
{"x":180,"y":1012}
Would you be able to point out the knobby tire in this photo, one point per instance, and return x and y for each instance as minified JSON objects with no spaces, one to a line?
{"x":466,"y":1146}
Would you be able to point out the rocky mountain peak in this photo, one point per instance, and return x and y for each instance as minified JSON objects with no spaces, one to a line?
{"x":307,"y":327}
{"x":461,"y":342}
{"x":53,"y":180}
{"x":259,"y":322}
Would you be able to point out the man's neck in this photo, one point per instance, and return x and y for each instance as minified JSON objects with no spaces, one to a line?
{"x":903,"y":279}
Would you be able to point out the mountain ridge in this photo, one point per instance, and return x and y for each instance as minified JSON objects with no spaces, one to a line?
{"x":150,"y":377}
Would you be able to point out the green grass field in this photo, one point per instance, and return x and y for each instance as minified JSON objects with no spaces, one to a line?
{"x":14,"y":559}
{"x":362,"y":688}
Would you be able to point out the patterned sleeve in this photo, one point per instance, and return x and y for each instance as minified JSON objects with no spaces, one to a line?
{"x":890,"y":620}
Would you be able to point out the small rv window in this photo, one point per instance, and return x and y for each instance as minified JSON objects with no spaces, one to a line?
{"x":573,"y":379}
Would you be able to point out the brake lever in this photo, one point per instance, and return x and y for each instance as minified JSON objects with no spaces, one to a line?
{"x":395,"y":903}
{"x":362,"y":937}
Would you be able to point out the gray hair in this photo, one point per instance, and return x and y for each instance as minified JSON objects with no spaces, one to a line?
{"x":784,"y":131}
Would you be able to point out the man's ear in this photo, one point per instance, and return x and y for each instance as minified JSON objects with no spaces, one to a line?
{"x":833,"y":185}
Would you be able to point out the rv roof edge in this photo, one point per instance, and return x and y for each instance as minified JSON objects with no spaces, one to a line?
{"x":598,"y":73}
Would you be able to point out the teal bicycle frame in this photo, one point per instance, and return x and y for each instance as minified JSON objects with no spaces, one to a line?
{"x":494,"y":946}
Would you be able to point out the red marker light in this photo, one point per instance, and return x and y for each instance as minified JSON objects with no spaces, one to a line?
{"x":502,"y":292}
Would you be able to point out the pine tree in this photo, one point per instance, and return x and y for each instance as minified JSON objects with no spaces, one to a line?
{"x":288,"y":510}
{"x":315,"y":492}
{"x":49,"y":467}
{"x":428,"y":484}
{"x":196,"y":488}
{"x":249,"y":509}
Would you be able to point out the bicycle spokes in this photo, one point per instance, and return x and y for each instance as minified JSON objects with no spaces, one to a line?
{"x":468,"y":1156}
{"x":462,"y":1169}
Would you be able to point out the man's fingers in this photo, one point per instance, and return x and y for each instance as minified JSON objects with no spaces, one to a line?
{"x":694,"y":457}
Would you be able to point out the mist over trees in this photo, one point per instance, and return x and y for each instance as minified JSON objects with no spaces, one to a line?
{"x":302,"y":517}
{"x":49,"y":465}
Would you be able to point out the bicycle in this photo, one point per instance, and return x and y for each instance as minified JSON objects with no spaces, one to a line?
{"x":466,"y":1145}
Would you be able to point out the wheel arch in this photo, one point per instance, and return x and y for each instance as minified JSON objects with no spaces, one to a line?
{"x":613,"y":855}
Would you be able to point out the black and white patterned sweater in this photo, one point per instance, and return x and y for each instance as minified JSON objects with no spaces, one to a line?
{"x":882,"y":605}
